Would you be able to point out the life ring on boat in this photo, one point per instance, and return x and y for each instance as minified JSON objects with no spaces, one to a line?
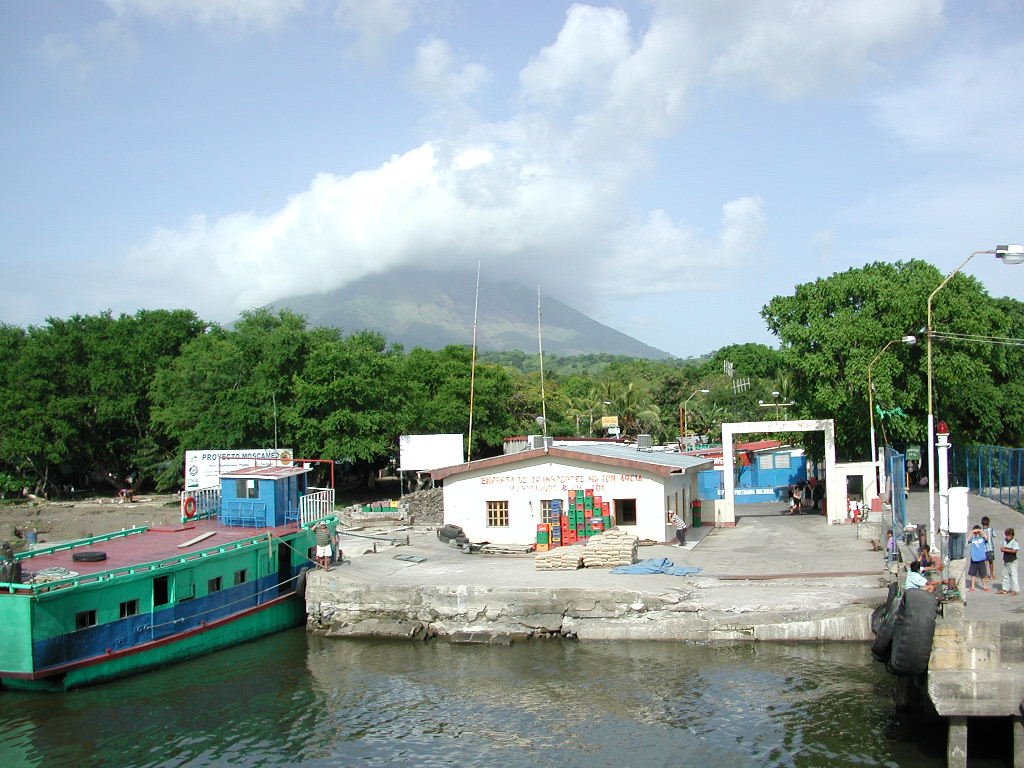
{"x":190,"y":507}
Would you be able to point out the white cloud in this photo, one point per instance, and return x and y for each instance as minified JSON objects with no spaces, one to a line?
{"x":591,"y":44}
{"x":438,"y":77}
{"x":970,"y":103}
{"x":265,"y":14}
{"x":794,"y":48}
{"x":544,"y":192}
{"x":680,"y":257}
{"x":376,"y":23}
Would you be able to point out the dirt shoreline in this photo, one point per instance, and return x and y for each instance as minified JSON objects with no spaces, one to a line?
{"x":55,"y":521}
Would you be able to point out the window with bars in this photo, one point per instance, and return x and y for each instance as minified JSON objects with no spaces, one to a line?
{"x":497,"y":514}
{"x":547,"y":514}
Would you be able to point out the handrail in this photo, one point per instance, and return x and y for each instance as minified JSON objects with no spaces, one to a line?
{"x":131,"y":570}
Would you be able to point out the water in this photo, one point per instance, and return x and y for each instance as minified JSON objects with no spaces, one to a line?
{"x":297,"y":700}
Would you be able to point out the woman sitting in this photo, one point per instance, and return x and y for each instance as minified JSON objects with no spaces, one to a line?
{"x":931,"y":564}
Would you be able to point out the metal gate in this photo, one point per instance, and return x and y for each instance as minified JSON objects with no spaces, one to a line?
{"x":897,"y":465}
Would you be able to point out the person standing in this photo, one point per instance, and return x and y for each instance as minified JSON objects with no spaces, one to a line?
{"x":990,"y":537}
{"x":324,"y":553}
{"x":681,"y":526}
{"x":979,"y":559}
{"x":1010,"y":548}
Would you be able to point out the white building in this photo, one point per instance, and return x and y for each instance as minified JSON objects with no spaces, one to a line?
{"x":503,"y":499}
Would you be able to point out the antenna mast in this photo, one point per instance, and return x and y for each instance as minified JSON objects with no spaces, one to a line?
{"x":472,"y":368}
{"x":540,"y":350}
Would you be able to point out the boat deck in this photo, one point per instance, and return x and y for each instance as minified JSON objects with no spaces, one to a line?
{"x":154,"y":544}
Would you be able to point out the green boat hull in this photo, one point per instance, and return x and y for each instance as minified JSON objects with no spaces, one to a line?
{"x":281,"y":614}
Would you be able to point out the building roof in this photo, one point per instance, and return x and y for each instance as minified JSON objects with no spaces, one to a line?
{"x":621,"y":456}
{"x":277,"y":472}
{"x":757,"y":446}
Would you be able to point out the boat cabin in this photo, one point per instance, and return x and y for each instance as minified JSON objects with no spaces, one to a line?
{"x":262,"y":497}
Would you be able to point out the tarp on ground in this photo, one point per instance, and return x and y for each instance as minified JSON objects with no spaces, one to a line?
{"x":657,"y":565}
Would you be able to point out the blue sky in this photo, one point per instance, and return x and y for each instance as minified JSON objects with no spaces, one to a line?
{"x":667,"y":166}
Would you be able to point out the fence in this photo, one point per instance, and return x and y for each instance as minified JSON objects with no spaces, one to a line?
{"x":898,"y":477}
{"x":317,"y":504}
{"x":989,"y":470}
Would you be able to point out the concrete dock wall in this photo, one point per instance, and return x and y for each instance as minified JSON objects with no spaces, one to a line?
{"x":341,"y":608}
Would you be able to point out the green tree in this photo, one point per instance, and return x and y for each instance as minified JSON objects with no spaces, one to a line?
{"x":350,"y":402}
{"x":229,"y":388}
{"x":833,"y":328}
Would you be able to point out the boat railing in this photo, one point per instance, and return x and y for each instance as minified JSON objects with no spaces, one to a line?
{"x":317,"y":504}
{"x":204,"y":503}
{"x":131,"y":570}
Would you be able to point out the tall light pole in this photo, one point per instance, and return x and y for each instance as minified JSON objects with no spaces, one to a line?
{"x":870,"y":390}
{"x":1009,"y":254}
{"x":683,"y":410}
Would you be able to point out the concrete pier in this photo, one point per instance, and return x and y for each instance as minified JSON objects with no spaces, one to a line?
{"x":771,"y":578}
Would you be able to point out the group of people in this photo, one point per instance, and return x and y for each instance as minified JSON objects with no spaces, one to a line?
{"x":810,"y":493}
{"x":925,"y":572}
{"x":983,"y":566}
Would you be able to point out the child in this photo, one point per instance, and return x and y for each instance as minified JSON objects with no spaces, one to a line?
{"x":1009,"y":549}
{"x":979,"y":559}
{"x":990,"y":537}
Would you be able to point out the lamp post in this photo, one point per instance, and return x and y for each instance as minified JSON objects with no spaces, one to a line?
{"x":776,"y":404}
{"x":1009,"y":254}
{"x":683,"y":411}
{"x":871,"y":395}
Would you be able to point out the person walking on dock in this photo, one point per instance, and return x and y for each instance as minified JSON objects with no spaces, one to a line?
{"x":979,"y":559}
{"x":680,"y":525}
{"x":1010,"y":548}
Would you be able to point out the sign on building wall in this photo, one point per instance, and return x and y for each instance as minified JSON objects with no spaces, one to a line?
{"x":203,"y":468}
{"x":557,"y":483}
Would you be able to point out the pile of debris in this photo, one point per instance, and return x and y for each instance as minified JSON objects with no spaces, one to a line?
{"x":560,"y":558}
{"x":611,"y":548}
{"x":424,"y":507}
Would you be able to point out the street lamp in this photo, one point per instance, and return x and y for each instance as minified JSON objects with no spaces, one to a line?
{"x":871,"y":397}
{"x":683,"y":410}
{"x":776,"y":404}
{"x":1009,"y":254}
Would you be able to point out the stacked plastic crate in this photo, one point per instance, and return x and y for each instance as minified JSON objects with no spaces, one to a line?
{"x":585,"y":515}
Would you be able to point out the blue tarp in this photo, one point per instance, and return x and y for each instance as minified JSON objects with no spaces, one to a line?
{"x":657,"y":565}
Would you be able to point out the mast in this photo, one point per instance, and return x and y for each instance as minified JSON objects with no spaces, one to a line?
{"x":472,"y":368}
{"x":543,"y":403}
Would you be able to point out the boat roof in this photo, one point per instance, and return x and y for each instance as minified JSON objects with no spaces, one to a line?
{"x":134,"y":547}
{"x":275,"y":472}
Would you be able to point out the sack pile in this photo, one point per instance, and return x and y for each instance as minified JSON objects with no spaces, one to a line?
{"x":611,"y":548}
{"x":560,"y":559}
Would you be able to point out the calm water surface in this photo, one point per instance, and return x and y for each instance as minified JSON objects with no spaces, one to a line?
{"x":297,"y":700}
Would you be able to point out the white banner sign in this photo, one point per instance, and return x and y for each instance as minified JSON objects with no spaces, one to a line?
{"x":203,"y":468}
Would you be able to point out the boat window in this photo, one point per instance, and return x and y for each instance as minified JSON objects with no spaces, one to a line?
{"x":625,"y":511}
{"x":161,"y":590}
{"x":246,"y":489}
{"x":213,"y":585}
{"x":85,"y":619}
{"x":240,"y":577}
{"x":129,"y":608}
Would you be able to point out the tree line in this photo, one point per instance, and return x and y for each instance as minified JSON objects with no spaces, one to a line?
{"x":89,"y":400}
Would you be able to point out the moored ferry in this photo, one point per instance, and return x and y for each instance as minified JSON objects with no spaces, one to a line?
{"x":233,"y":569}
